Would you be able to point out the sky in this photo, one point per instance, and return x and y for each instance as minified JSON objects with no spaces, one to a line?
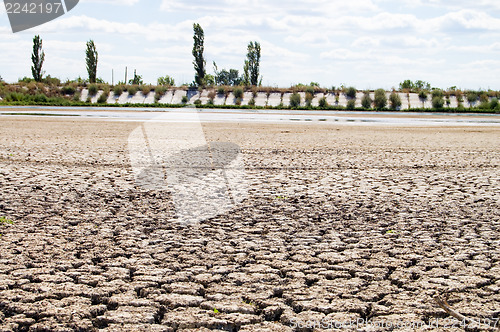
{"x":364,"y":43}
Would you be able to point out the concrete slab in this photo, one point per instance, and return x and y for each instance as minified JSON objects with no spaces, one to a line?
{"x":220,"y":99}
{"x":246,"y":97}
{"x":177,"y":97}
{"x":167,"y":97}
{"x":84,"y":95}
{"x":286,"y":98}
{"x":330,"y":98}
{"x":317,"y":97}
{"x":149,"y":98}
{"x":274,"y":99}
{"x":261,"y":99}
{"x":192,"y":97}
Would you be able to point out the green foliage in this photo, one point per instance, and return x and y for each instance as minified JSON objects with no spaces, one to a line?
{"x":252,"y":64}
{"x":103,"y":98}
{"x":366,"y":100}
{"x":225,"y":77}
{"x":118,"y":90}
{"x":146,"y":89}
{"x":26,"y":80}
{"x":380,"y":100}
{"x":422,"y":95}
{"x":238,"y":93}
{"x":251,"y":102}
{"x":68,"y":90}
{"x":37,"y":59}
{"x":197,"y":102}
{"x":351,"y":92}
{"x":351,"y":104}
{"x":221,"y":90}
{"x":184,"y":99}
{"x":406,"y":85}
{"x":494,"y":104}
{"x":137,"y":80}
{"x":484,"y":98}
{"x":54,"y":81}
{"x":419,"y":85}
{"x":166,"y":81}
{"x":132,"y":90}
{"x":310,"y":90}
{"x":198,"y":49}
{"x":437,"y":93}
{"x":323,"y":103}
{"x":437,"y":102}
{"x":93,"y":90}
{"x":159,"y":92}
{"x":6,"y":221}
{"x":472,"y":97}
{"x":295,"y":100}
{"x":395,"y":101}
{"x":308,"y":99}
{"x":91,"y":58}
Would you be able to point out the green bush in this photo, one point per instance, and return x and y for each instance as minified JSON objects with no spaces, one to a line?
{"x":295,"y":100}
{"x":145,"y":89}
{"x":366,"y":101}
{"x":197,"y":102}
{"x":422,"y":95}
{"x":494,"y":104}
{"x":310,"y":89}
{"x":323,"y":103}
{"x":351,"y":92}
{"x":351,"y":104}
{"x":221,"y":90}
{"x":184,"y":99}
{"x":251,"y":102}
{"x":238,"y":93}
{"x":166,"y":81}
{"x":132,"y":90}
{"x":103,"y":98}
{"x":309,"y":98}
{"x":118,"y":90}
{"x":92,"y":90}
{"x":395,"y":100}
{"x":380,"y":100}
{"x":437,"y":102}
{"x":437,"y":93}
{"x":68,"y":90}
{"x":159,"y":92}
{"x":472,"y":97}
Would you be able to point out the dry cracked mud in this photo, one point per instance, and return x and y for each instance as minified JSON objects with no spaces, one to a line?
{"x":343,"y":224}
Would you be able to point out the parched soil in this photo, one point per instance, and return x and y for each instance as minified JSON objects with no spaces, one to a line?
{"x":343,"y":224}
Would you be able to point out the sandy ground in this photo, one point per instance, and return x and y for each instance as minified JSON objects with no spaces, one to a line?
{"x":360,"y":226}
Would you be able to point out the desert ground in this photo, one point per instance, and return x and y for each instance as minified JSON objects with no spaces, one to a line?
{"x":345,"y":226}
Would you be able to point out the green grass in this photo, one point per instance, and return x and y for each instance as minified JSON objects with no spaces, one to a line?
{"x":4,"y":221}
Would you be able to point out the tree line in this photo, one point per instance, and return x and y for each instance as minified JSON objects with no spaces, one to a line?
{"x":251,"y":68}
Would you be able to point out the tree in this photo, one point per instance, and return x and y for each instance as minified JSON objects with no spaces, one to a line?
{"x":137,"y":80}
{"x":198,"y":48}
{"x":380,"y":100}
{"x":252,"y":64}
{"x":166,"y":81}
{"x":91,"y":60}
{"x":395,"y":100}
{"x":37,"y":58}
{"x":225,"y":77}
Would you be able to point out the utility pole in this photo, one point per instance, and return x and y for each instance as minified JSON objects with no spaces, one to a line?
{"x":112,"y":77}
{"x":125,"y":75}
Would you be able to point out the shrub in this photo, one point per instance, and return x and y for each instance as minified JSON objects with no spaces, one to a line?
{"x":197,"y":102}
{"x":437,"y":93}
{"x":471,"y":97}
{"x":68,"y":90}
{"x":184,"y":99}
{"x":395,"y":100}
{"x":251,"y":102}
{"x":221,"y":90}
{"x":103,"y":98}
{"x":295,"y":100}
{"x":76,"y":96}
{"x":238,"y":93}
{"x":146,"y":89}
{"x":132,"y":90}
{"x":238,"y":101}
{"x":210,"y":101}
{"x":380,"y":100}
{"x":351,"y":104}
{"x":351,"y":92}
{"x":118,"y":90}
{"x":211,"y":95}
{"x":92,"y":90}
{"x":323,"y":103}
{"x":422,"y":95}
{"x":166,"y":81}
{"x":494,"y":104}
{"x":309,"y":98}
{"x":310,"y":89}
{"x":484,"y":98}
{"x":437,"y":102}
{"x":366,"y":101}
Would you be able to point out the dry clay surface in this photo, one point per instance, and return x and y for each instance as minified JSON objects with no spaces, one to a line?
{"x":342,"y":224}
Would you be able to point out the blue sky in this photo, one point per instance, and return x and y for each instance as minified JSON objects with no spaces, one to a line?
{"x":364,"y":43}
